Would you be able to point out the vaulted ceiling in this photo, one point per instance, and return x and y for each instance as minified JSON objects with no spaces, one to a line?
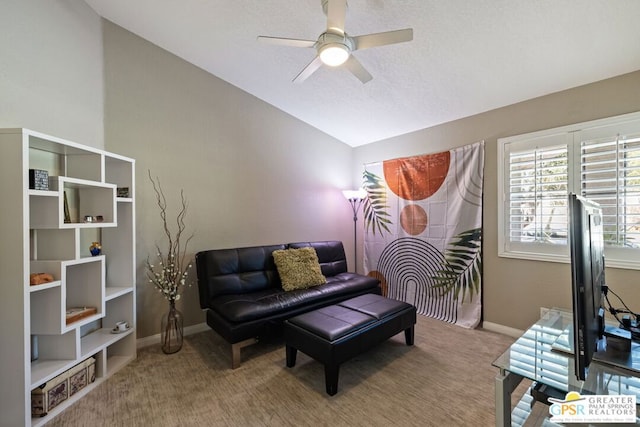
{"x":467,"y":56}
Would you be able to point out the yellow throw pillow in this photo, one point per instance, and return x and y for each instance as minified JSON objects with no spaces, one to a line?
{"x":298,"y":268}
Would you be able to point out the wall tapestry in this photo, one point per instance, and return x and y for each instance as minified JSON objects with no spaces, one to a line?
{"x":423,"y":231}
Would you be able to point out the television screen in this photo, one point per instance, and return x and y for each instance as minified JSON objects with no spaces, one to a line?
{"x":586,"y":243}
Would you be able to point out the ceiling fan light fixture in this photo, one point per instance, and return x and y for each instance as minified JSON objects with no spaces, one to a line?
{"x":334,"y":54}
{"x":334,"y":46}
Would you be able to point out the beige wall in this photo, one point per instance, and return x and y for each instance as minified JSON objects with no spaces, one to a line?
{"x":51,"y":65}
{"x":514,"y":290}
{"x":253,"y":175}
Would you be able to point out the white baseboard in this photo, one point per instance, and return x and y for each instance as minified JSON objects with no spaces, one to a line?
{"x":501,"y":329}
{"x":155,"y":339}
{"x":506,"y":330}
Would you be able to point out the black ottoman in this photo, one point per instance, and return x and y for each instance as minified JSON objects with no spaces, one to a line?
{"x":335,"y":334}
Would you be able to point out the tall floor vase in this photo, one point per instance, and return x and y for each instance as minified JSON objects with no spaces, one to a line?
{"x":172,"y":328}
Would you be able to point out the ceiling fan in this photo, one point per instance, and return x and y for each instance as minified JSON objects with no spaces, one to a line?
{"x":335,"y":47}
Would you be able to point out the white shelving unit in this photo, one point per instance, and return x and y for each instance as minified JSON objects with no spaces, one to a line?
{"x":43,"y":231}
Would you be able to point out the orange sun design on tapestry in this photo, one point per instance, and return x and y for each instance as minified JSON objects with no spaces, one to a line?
{"x":416,"y":178}
{"x":413,"y":219}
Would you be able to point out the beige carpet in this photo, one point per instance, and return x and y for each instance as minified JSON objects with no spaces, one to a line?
{"x":445,"y":379}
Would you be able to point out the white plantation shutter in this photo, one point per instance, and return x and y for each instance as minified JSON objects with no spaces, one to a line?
{"x":536,"y":177}
{"x":599,"y":160}
{"x":610,"y":175}
{"x":538,"y":194}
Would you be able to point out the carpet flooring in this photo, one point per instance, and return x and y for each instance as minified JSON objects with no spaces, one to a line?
{"x":445,"y":379}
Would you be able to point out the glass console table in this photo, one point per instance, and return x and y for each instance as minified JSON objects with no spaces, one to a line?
{"x":532,"y":357}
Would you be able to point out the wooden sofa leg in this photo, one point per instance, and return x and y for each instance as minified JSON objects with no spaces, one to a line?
{"x":235,"y":351}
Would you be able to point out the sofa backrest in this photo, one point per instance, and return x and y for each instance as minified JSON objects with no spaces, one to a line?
{"x":235,"y":271}
{"x":252,"y":269}
{"x":330,"y":254}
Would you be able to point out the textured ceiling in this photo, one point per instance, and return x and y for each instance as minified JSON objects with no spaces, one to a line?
{"x":467,"y":56}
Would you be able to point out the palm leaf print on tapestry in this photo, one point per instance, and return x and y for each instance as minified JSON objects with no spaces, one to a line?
{"x":462,"y":265}
{"x":375,"y":205}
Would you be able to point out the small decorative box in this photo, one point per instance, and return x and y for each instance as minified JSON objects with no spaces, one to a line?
{"x":58,"y":389}
{"x":122,"y":192}
{"x":49,"y":395}
{"x":82,"y":375}
{"x":38,"y":179}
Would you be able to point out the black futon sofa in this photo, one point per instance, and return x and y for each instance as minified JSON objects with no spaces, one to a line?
{"x":240,"y":289}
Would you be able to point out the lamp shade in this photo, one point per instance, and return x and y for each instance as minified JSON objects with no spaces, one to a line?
{"x":334,"y":54}
{"x":358,"y":194}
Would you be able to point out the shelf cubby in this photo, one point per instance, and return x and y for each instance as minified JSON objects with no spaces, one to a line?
{"x":64,"y":158}
{"x":45,"y":210}
{"x":119,"y":353}
{"x":87,"y":199}
{"x":52,"y":267}
{"x":56,"y":354}
{"x":83,"y":280}
{"x":115,"y":242}
{"x":119,"y":171}
{"x":47,"y":314}
{"x":119,"y":309}
{"x":53,"y":244}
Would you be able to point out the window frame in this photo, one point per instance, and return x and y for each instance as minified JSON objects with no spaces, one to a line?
{"x":616,"y":256}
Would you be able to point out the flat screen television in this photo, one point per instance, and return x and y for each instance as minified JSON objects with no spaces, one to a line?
{"x":586,"y":243}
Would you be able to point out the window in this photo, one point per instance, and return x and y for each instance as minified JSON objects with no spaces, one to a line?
{"x":599,"y":160}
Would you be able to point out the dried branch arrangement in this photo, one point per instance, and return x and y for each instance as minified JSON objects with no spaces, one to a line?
{"x":169,"y":274}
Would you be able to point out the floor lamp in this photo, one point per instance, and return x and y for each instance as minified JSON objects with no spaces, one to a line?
{"x":355,"y":198}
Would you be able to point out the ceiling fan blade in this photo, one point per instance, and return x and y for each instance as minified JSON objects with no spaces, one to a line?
{"x":308,"y":70}
{"x":357,"y":69}
{"x":336,"y":14}
{"x":287,"y":42}
{"x":380,"y":39}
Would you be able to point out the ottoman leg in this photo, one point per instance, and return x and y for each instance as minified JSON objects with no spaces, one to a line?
{"x":331,"y":378}
{"x":408,"y":335}
{"x":291,"y":356}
